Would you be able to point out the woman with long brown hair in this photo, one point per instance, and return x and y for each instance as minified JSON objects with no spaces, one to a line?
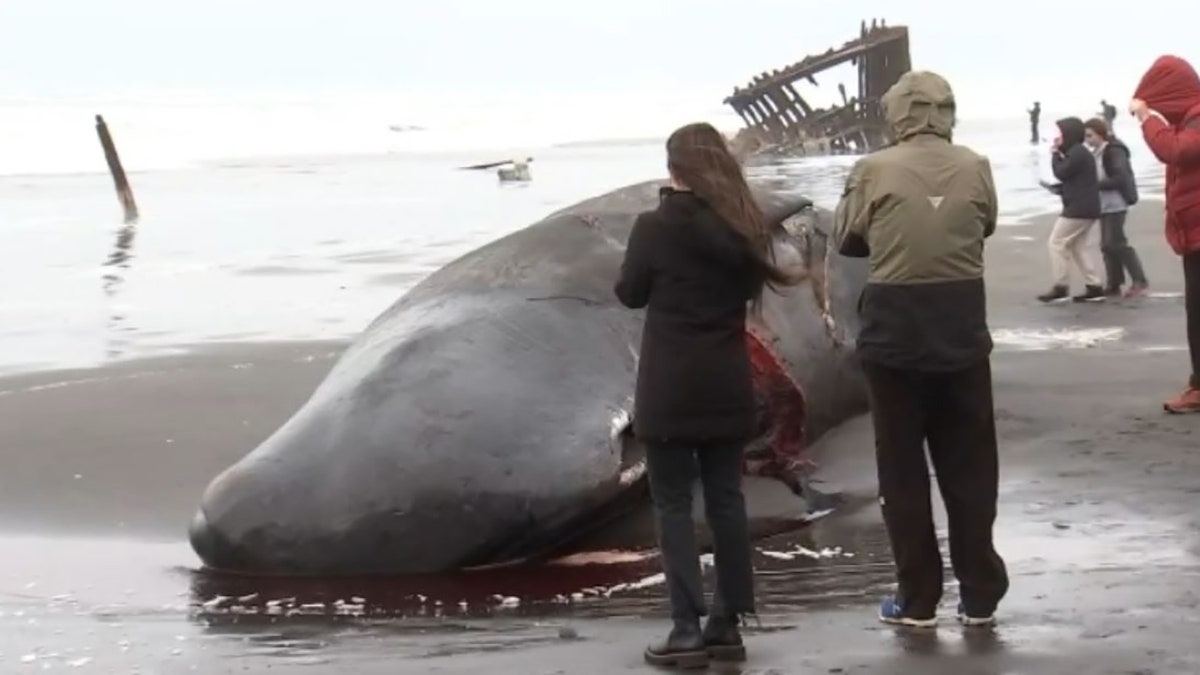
{"x":696,"y":263}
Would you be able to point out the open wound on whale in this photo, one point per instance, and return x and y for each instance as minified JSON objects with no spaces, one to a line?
{"x":778,"y":451}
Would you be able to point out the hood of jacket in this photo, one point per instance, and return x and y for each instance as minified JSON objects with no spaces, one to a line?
{"x":710,"y":237}
{"x":1115,"y":144}
{"x":921,"y":102}
{"x":1170,"y":87}
{"x":1072,"y":131}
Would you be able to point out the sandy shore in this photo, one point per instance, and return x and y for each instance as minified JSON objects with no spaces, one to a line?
{"x":102,"y":469}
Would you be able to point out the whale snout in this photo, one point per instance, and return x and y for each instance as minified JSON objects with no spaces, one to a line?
{"x":208,"y":543}
{"x":232,"y":528}
{"x":201,"y":536}
{"x":444,"y":441}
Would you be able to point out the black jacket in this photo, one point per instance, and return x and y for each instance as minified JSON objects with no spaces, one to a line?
{"x":1074,"y":165}
{"x":1118,"y":171}
{"x":695,"y":275}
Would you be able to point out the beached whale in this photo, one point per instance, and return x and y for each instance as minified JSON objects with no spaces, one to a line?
{"x":484,"y":418}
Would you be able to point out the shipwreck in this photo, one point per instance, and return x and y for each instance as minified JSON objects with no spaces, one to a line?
{"x":780,"y":121}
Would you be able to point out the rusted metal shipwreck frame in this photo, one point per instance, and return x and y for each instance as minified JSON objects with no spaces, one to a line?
{"x":779,"y":120}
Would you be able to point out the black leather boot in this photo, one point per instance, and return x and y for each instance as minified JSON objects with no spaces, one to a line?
{"x":723,"y":640}
{"x":683,"y":648}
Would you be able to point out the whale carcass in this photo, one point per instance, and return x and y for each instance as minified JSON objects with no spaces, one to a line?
{"x":485,"y":417}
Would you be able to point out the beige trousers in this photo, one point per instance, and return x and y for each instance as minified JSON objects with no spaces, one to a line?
{"x":1068,"y":246}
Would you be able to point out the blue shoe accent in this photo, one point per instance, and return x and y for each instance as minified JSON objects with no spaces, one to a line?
{"x":892,"y":612}
{"x":975,"y":621}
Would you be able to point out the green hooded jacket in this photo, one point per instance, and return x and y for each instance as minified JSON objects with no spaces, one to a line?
{"x":920,"y":211}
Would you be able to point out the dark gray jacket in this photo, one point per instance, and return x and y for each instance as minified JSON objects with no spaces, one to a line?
{"x":1118,"y":172}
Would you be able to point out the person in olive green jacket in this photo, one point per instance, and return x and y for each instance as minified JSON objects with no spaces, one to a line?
{"x":920,"y":211}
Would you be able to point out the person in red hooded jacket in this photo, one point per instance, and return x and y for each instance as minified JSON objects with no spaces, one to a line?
{"x":1167,"y":105}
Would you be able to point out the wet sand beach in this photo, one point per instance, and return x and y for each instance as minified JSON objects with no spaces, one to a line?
{"x":102,"y":469}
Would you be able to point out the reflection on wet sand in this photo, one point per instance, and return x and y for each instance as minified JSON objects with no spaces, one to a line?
{"x":975,"y":642}
{"x":515,"y":591}
{"x":119,"y":260}
{"x":828,"y":577}
{"x":118,"y":264}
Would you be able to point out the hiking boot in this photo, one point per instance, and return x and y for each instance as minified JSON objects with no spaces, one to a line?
{"x":1137,"y":291}
{"x":1055,"y":294}
{"x":1187,"y":402}
{"x":684,"y":648}
{"x":975,"y":621}
{"x":723,"y":640}
{"x":1090,"y":294}
{"x":892,"y":612}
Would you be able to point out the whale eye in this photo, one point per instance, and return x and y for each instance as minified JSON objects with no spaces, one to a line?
{"x":633,"y":460}
{"x":631,"y":451}
{"x":620,"y":424}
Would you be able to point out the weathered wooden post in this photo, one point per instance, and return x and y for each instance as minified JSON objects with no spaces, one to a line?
{"x":124,"y":192}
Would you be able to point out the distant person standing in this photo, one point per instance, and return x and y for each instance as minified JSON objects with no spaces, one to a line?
{"x":920,"y":211}
{"x":1118,"y":191}
{"x":1109,"y":112}
{"x":1167,"y":104}
{"x":1075,"y":167}
{"x":1035,"y":123}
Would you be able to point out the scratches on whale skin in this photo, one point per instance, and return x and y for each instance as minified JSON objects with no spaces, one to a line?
{"x":519,"y":333}
{"x":593,"y":223}
{"x":590,"y":302}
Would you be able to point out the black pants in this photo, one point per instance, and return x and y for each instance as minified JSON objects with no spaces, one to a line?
{"x":1191,"y":301}
{"x":953,"y":413}
{"x":673,"y":471}
{"x":1119,"y":256}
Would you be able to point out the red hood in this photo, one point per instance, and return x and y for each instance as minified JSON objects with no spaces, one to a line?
{"x":1171,"y":87}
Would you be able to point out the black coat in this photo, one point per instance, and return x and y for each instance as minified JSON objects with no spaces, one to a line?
{"x":1075,"y":166}
{"x":695,"y":275}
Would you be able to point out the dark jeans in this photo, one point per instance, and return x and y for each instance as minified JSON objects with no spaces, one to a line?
{"x":1118,"y":254}
{"x":673,"y":472}
{"x":953,"y":413}
{"x":1191,"y":302}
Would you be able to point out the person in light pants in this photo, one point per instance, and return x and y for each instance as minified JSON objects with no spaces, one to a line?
{"x":1074,"y":165}
{"x":1068,"y":248}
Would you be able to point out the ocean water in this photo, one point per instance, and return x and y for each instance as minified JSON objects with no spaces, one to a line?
{"x":263,"y":223}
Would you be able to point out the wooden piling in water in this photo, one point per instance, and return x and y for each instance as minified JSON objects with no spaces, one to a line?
{"x":124,"y":192}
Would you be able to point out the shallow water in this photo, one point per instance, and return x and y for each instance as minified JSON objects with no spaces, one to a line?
{"x":313,"y":247}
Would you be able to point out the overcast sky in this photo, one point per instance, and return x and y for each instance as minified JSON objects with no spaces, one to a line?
{"x":998,"y":56}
